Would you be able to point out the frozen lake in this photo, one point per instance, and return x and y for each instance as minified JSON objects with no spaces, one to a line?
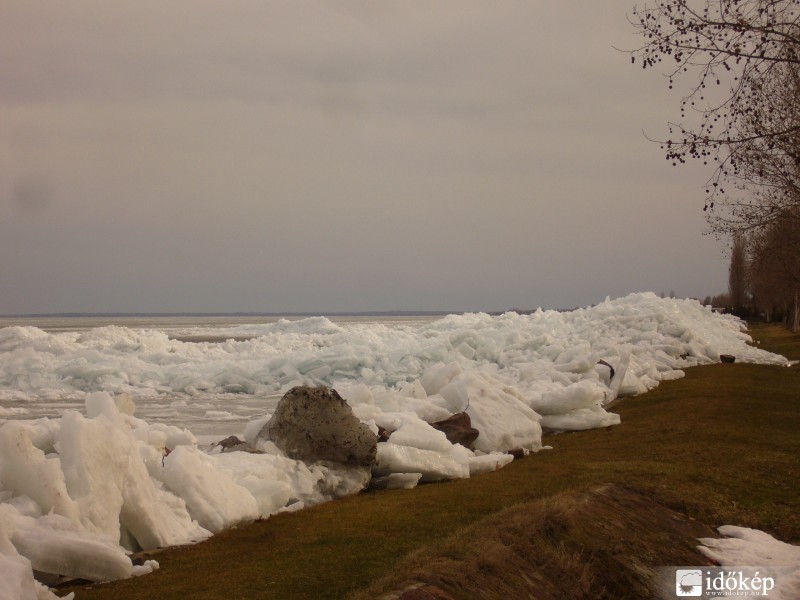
{"x":106,"y":423}
{"x":208,"y":416}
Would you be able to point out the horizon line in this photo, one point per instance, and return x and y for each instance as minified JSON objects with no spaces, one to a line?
{"x":356,"y":313}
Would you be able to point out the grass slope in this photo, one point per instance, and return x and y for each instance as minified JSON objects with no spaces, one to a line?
{"x":604,"y":542}
{"x":721,"y":446}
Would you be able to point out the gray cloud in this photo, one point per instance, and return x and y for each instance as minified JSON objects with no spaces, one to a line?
{"x":335,"y":156}
{"x":32,"y":194}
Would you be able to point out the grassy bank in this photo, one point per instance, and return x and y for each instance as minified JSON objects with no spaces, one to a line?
{"x":721,"y":446}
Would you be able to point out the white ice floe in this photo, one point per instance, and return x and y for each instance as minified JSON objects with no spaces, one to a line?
{"x":16,"y":574}
{"x":652,"y":336}
{"x":745,"y":547}
{"x":81,"y":490}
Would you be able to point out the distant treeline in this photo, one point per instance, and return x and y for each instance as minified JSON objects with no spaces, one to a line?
{"x":764,"y":275}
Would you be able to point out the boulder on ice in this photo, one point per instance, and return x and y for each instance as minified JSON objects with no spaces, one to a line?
{"x":315,"y":424}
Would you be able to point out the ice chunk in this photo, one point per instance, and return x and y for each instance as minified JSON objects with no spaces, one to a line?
{"x":155,"y":517}
{"x":580,"y":419}
{"x":505,"y":422}
{"x":94,"y":458}
{"x":565,"y":399}
{"x":410,"y":430}
{"x":355,"y":394}
{"x":15,"y":572}
{"x":125,"y":404}
{"x":391,"y":401}
{"x":25,"y":471}
{"x":396,"y":481}
{"x":745,"y":546}
{"x":435,"y":378}
{"x":253,"y":428}
{"x":106,"y":474}
{"x":43,"y":433}
{"x":488,"y":462}
{"x":620,"y":370}
{"x":672,"y":375}
{"x":433,"y":466}
{"x":632,"y":385}
{"x":146,"y":568}
{"x":57,"y":546}
{"x":213,"y":498}
{"x":262,"y":475}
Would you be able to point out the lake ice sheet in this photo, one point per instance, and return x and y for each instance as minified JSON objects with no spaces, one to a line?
{"x":83,"y":481}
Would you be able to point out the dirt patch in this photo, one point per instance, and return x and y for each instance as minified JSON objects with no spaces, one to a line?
{"x":602,"y":543}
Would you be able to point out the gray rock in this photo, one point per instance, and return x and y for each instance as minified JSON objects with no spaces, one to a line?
{"x":229,"y":442}
{"x":234,"y":444}
{"x":458,"y":429}
{"x":316,"y":424}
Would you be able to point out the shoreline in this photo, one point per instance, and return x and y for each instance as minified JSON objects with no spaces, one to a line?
{"x":680,"y":446}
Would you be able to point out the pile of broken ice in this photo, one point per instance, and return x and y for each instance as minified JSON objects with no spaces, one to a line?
{"x":79,"y":493}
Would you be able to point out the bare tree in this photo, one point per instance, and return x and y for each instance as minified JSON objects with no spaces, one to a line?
{"x":740,"y":113}
{"x":737,"y":274}
{"x":768,"y":169}
{"x":774,"y":270}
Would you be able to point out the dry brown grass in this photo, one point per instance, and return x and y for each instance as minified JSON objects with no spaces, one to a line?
{"x":591,"y":544}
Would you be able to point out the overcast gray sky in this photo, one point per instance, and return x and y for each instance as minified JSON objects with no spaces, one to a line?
{"x":261,"y":155}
